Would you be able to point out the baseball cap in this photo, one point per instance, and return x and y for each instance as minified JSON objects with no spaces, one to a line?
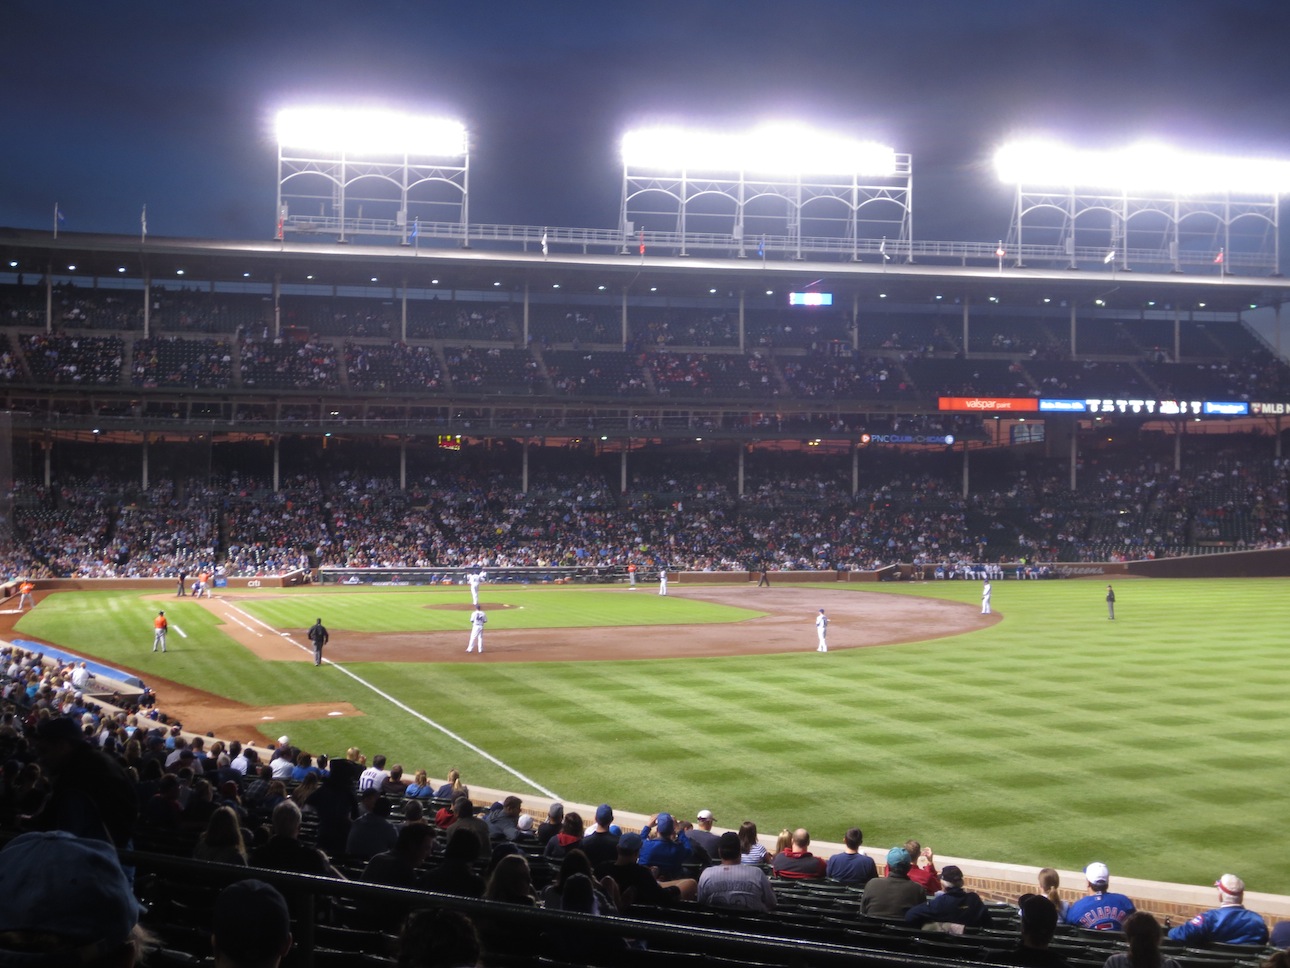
{"x":705,"y":814}
{"x":898,"y":856}
{"x":250,"y":921}
{"x":604,"y":814}
{"x":630,"y":843}
{"x":952,"y":873}
{"x":1230,"y":884}
{"x":282,"y":740}
{"x":525,"y":822}
{"x":665,"y":824}
{"x":1097,"y":873}
{"x":70,"y":887}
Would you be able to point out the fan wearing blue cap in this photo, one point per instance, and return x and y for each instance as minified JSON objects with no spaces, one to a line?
{"x":669,"y":850}
{"x":601,"y":844}
{"x":893,"y":895}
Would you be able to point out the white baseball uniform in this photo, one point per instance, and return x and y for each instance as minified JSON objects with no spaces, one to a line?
{"x":474,"y":579}
{"x":477,"y":621}
{"x":821,"y":631}
{"x":985,"y":598}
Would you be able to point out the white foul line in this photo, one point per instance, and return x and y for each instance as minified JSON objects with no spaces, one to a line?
{"x":410,"y":711}
{"x":182,"y":633}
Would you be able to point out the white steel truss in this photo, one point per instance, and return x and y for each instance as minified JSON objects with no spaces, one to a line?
{"x":742,"y":210}
{"x":343,"y":196}
{"x":1147,"y":232}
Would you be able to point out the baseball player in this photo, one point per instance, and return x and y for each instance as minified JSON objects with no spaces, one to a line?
{"x":477,"y":621}
{"x":631,"y":576}
{"x":822,"y":631}
{"x":1110,"y":603}
{"x":25,"y":600}
{"x":474,"y":580}
{"x":662,"y":582}
{"x":159,"y":628}
{"x":985,"y":598}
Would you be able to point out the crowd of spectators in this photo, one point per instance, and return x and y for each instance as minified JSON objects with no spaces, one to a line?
{"x":677,"y":352}
{"x":286,"y":364}
{"x":797,"y":512}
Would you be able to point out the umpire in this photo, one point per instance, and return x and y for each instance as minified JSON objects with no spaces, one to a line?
{"x":318,"y":636}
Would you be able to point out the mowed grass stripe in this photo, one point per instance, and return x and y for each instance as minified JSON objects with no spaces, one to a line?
{"x":1053,"y":737}
{"x":443,"y":610}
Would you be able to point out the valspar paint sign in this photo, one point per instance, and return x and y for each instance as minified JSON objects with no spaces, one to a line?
{"x":989,"y":404}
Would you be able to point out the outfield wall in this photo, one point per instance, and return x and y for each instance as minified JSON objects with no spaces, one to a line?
{"x":1263,"y":563}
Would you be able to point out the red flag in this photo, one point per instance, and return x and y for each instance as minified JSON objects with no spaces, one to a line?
{"x":1000,"y":252}
{"x":1218,"y":259}
{"x":642,"y":237}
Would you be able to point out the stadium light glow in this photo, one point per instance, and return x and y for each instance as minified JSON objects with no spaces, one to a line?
{"x":772,"y":149}
{"x":1146,"y":166}
{"x":369,"y":132}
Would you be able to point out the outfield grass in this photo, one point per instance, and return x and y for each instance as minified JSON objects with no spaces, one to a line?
{"x":1055,"y":737}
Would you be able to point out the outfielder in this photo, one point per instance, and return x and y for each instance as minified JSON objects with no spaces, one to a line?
{"x":822,"y":631}
{"x":477,"y":622}
{"x":985,"y":598}
{"x":662,"y":582}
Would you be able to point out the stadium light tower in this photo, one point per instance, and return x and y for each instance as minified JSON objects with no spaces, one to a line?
{"x":398,"y":165}
{"x":1146,"y":202}
{"x":768,"y":181}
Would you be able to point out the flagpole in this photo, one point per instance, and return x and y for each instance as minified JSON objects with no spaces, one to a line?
{"x":143,"y":224}
{"x":55,"y":220}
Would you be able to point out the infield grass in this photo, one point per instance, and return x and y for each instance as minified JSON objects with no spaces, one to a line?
{"x":1154,"y":743}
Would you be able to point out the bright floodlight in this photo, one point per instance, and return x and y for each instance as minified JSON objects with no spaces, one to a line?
{"x":771,"y":149}
{"x":369,"y":132}
{"x":1141,"y":167}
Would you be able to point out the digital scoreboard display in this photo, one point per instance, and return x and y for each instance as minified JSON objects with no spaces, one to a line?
{"x":810,"y":299}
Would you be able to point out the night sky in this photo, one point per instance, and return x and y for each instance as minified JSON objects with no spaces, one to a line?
{"x":110,"y":105}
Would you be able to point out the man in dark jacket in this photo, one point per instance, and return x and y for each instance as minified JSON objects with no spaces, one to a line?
{"x":954,"y":905}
